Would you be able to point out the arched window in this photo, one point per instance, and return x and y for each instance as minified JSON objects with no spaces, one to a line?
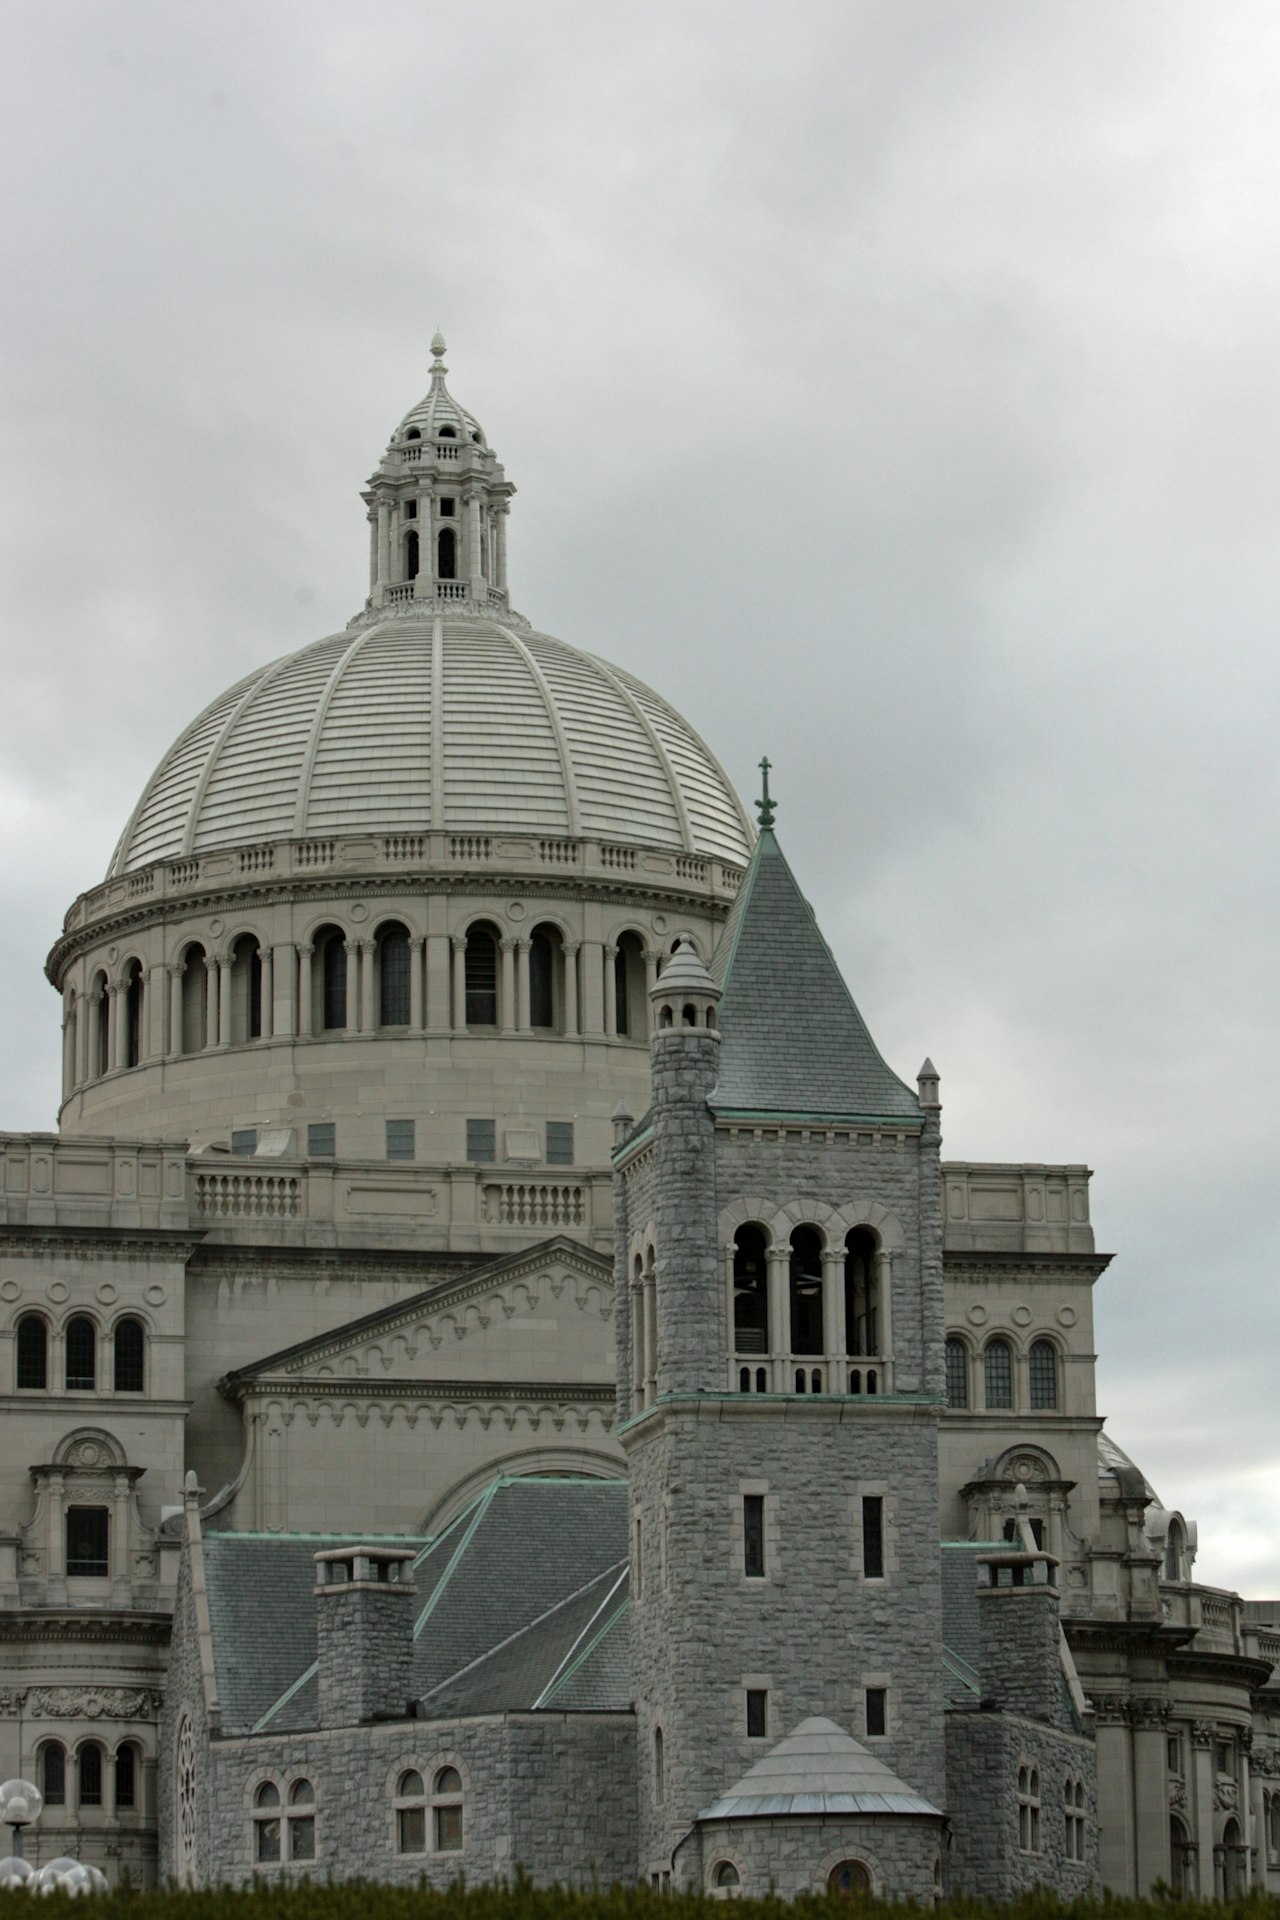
{"x":129,"y":1344}
{"x":102,"y":1013}
{"x":1179,"y":1857}
{"x":447,"y":433}
{"x":126,"y":1776}
{"x":393,"y":976}
{"x":446,"y":1811}
{"x":53,"y":1773}
{"x":481,"y":975}
{"x":412,"y":433}
{"x":411,"y":554}
{"x":862,"y":1333}
{"x":546,"y":964}
{"x":1029,"y":1809}
{"x":1174,"y":1552}
{"x":411,"y":1813}
{"x":89,"y":1775}
{"x":1043,"y":1376}
{"x":33,"y":1352}
{"x":629,"y":999}
{"x":300,"y":1821}
{"x":266,"y":1823}
{"x":195,"y":1000}
{"x":997,"y":1373}
{"x":132,"y":1015}
{"x":750,"y":1290}
{"x":957,"y":1374}
{"x":725,"y":1879}
{"x":1232,"y":1861}
{"x":246,"y":990}
{"x":81,"y":1350}
{"x":849,"y":1880}
{"x":332,"y":955}
{"x":806,"y":1290}
{"x":446,"y":554}
{"x":1073,"y":1811}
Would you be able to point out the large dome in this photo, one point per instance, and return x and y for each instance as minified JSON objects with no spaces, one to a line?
{"x":436,"y":720}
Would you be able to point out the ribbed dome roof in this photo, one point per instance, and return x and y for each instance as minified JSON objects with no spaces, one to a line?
{"x":438,"y":410}
{"x":437,"y":721}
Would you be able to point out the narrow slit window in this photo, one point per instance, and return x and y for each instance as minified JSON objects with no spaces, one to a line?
{"x":753,"y":1535}
{"x":877,"y":1712}
{"x":757,"y":1713}
{"x":873,"y":1536}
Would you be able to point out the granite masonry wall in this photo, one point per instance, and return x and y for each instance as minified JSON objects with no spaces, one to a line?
{"x":987,"y":1857}
{"x":795,"y":1856}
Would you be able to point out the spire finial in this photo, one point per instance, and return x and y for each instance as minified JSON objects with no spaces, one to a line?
{"x":438,"y":349}
{"x":764,"y":805}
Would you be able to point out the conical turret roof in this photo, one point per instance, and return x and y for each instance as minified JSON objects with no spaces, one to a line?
{"x":819,"y":1768}
{"x":792,"y":1039}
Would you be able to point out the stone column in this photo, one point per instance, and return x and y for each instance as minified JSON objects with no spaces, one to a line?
{"x":426,"y":544}
{"x":351,"y":1014}
{"x":68,"y":1046}
{"x":415,"y":986}
{"x":650,"y":1337}
{"x":592,"y":963}
{"x":224,"y":1001}
{"x":84,"y":1056}
{"x":1202,"y":1736}
{"x":834,"y":1338}
{"x":115,"y":1027}
{"x":439,"y":988}
{"x":884,"y":1314}
{"x":175,"y":1010}
{"x":210,"y":1001}
{"x":57,"y":1595}
{"x":459,"y":983}
{"x":650,"y":972}
{"x":118,"y":1543}
{"x":1115,"y":1791}
{"x":523,"y":1015}
{"x":157,"y":1010}
{"x":638,"y":1343}
{"x":368,"y":1015}
{"x":266,"y":993}
{"x":778,"y":1263}
{"x":93,"y":1028}
{"x":1150,"y":1792}
{"x":570,"y":990}
{"x":610,"y":993}
{"x":384,"y":549}
{"x":373,"y":548}
{"x":305,"y":953}
{"x":473,"y":540}
{"x":506,"y":1012}
{"x":501,"y":544}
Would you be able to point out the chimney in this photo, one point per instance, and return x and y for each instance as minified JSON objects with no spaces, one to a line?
{"x":364,"y":1633}
{"x":1020,"y":1632}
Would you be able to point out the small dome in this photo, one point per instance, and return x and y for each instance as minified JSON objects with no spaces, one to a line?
{"x":447,"y":722}
{"x":438,"y":413}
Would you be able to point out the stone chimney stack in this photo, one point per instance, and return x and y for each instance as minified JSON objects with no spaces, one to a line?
{"x":364,"y":1631}
{"x":1021,"y":1635}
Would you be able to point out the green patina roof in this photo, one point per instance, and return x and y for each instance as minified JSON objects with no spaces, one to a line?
{"x":792,"y":1040}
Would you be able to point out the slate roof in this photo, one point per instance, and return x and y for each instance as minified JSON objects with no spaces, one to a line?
{"x":818,"y":1768}
{"x":521,"y":1603}
{"x":792,"y":1040}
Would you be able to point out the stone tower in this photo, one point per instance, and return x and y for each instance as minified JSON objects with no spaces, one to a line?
{"x":779,"y":1245}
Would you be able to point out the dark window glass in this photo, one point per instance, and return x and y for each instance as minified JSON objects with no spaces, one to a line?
{"x":133,"y":1017}
{"x":753,"y":1535}
{"x":750,"y":1290}
{"x":997,"y":1366}
{"x":195,"y":1005}
{"x":873,"y":1536}
{"x":393,"y":995}
{"x":861,"y":1331}
{"x":481,"y":1142}
{"x":806,"y":1290}
{"x":33,"y":1351}
{"x":448,"y":508}
{"x":89,"y":1765}
{"x":542,"y":999}
{"x":757,"y":1713}
{"x":255,"y":994}
{"x":446,"y":552}
{"x":621,"y":998}
{"x":411,"y":556}
{"x":400,"y":1140}
{"x":126,"y":1778}
{"x":481,"y":969}
{"x":335,"y":982}
{"x":81,"y":1355}
{"x":957,"y":1374}
{"x":559,"y":1143}
{"x":104,"y":1015}
{"x":87,"y":1542}
{"x":322,"y":1140}
{"x":877,"y":1715}
{"x":411,"y":1830}
{"x":244,"y":1140}
{"x":1043,"y":1376}
{"x":53,"y":1774}
{"x":129,"y":1345}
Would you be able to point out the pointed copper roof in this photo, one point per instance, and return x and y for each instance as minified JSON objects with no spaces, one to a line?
{"x":793,"y":1042}
{"x":818,"y":1768}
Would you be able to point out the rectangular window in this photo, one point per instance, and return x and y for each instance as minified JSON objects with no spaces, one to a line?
{"x":1175,"y":1754}
{"x":87,"y":1542}
{"x":877,"y":1705}
{"x":757,"y":1713}
{"x":559,"y":1143}
{"x":244,"y":1141}
{"x":322,"y":1140}
{"x":753,"y":1535}
{"x":412,"y":1829}
{"x":126,"y":1779}
{"x":873,"y":1537}
{"x":482,"y":1143}
{"x":399,"y":1139}
{"x":1224,"y":1757}
{"x":447,"y":509}
{"x":448,"y":1829}
{"x":89,"y":1769}
{"x":410,"y":509}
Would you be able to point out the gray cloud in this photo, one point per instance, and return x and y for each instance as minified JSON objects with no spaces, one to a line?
{"x":895,"y":388}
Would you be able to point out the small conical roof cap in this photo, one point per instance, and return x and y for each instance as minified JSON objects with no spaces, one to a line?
{"x":818,"y":1768}
{"x":685,"y":973}
{"x":438,"y":408}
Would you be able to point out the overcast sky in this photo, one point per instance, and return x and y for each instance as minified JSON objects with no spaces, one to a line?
{"x":894,"y":386}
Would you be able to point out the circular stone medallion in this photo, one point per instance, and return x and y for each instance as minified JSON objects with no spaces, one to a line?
{"x":58,"y":1291}
{"x":976,"y":1315}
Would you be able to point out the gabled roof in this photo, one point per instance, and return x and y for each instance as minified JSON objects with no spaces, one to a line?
{"x":819,"y":1768}
{"x":792,"y":1040}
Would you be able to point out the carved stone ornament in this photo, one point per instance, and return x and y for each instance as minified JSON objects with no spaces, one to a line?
{"x":1225,"y":1796}
{"x":1178,"y":1795}
{"x":88,"y":1454}
{"x":1148,"y":1713}
{"x":1111,"y":1711}
{"x":91,"y":1703}
{"x":11,"y":1699}
{"x":1202,"y":1732}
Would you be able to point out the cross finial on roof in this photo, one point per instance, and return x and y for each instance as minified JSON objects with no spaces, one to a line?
{"x":764,"y":805}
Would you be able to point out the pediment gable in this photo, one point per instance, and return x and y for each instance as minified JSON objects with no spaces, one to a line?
{"x":540,"y":1315}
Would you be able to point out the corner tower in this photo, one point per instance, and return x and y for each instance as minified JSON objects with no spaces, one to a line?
{"x":780,"y":1379}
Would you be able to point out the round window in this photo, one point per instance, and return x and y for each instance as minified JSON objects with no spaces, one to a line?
{"x":849,"y":1879}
